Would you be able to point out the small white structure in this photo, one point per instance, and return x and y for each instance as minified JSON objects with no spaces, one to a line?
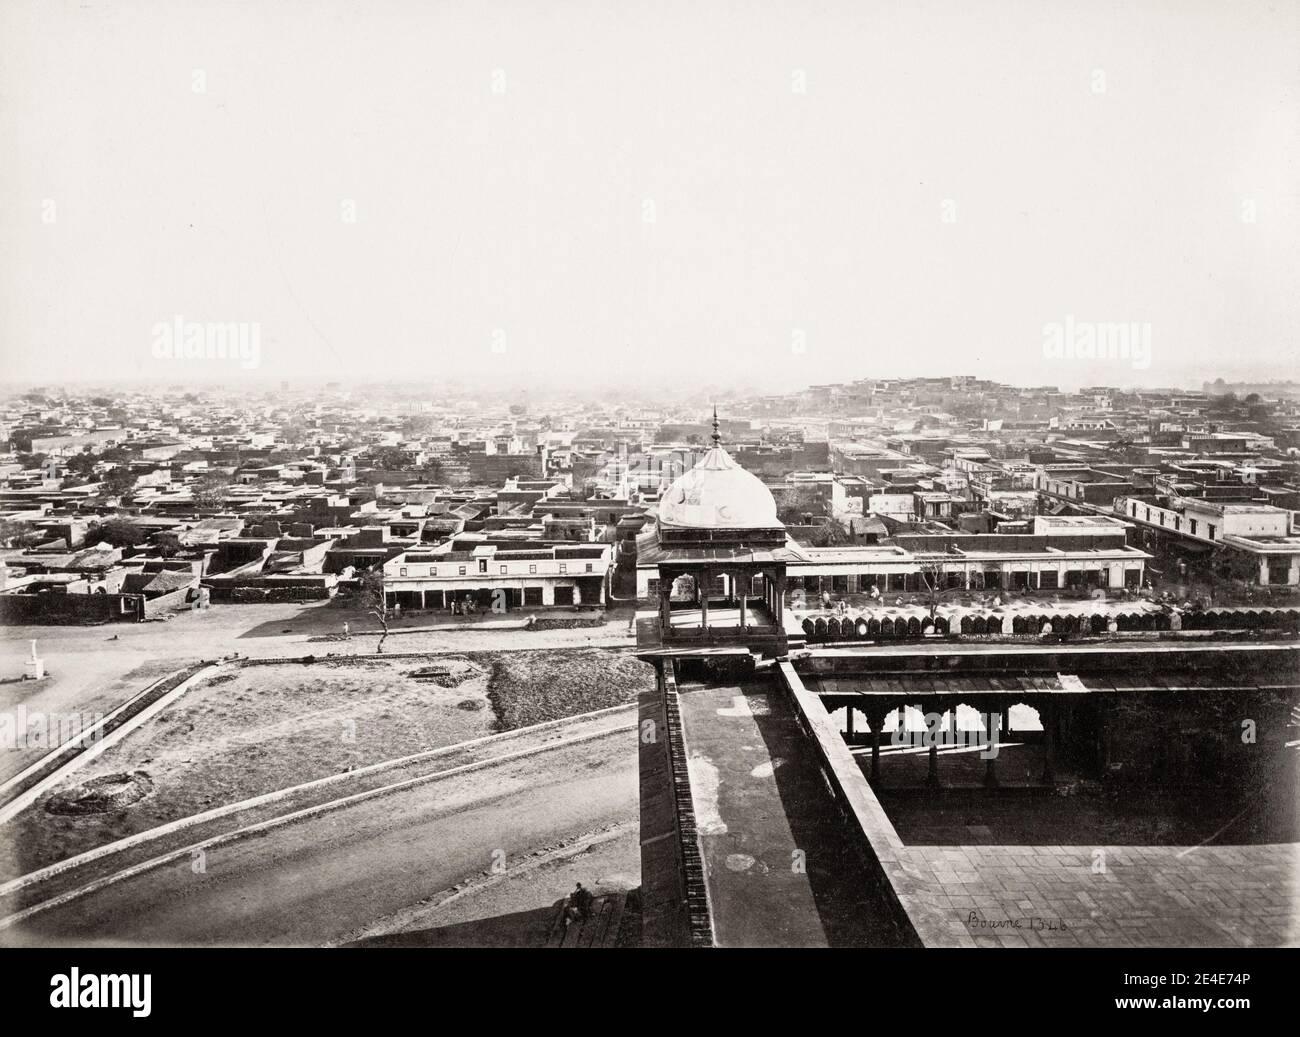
{"x":35,"y":667}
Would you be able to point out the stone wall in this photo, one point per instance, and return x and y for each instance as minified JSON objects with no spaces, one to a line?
{"x":71,"y":608}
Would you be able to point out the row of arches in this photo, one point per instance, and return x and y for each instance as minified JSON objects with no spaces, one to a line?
{"x":970,"y":734}
{"x":862,"y":628}
{"x":1243,"y":619}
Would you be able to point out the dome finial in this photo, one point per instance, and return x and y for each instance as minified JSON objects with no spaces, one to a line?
{"x":717,"y":439}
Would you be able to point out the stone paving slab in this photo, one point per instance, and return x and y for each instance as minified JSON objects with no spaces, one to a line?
{"x":1139,"y":896}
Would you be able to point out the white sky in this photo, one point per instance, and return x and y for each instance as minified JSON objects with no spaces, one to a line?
{"x":775,"y":212}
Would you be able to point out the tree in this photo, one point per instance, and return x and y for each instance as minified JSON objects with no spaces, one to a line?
{"x":117,"y":531}
{"x":293,"y":432}
{"x":374,"y":601}
{"x":118,"y":481}
{"x":82,"y":464}
{"x":168,"y":543}
{"x":210,"y":490}
{"x":418,"y":424}
{"x":391,"y":457}
{"x":831,"y":533}
{"x":18,"y":534}
{"x":795,"y":503}
{"x":932,"y":578}
{"x":1233,"y":568}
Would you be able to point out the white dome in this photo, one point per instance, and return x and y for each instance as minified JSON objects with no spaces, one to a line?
{"x":718,"y":494}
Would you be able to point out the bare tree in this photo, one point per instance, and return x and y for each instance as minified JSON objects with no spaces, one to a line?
{"x":932,"y":579}
{"x":374,"y":600}
{"x":210,"y":490}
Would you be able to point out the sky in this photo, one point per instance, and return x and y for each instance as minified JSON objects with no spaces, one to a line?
{"x":761,"y":194}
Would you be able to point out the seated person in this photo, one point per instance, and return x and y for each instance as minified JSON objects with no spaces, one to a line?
{"x":578,"y":905}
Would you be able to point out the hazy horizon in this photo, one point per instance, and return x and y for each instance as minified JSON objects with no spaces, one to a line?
{"x":735,"y":195}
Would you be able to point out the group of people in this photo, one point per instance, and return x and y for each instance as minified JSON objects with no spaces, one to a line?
{"x":463,"y":607}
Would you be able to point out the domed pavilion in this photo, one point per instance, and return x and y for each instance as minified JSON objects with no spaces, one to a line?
{"x":717,"y":551}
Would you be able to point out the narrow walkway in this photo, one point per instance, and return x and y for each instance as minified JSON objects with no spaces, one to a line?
{"x":779,"y":866}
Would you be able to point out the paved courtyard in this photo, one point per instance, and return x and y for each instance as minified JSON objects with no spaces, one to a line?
{"x":1116,"y":896}
{"x":1078,"y":871}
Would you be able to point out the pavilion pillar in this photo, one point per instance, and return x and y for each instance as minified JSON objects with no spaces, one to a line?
{"x":877,"y":721}
{"x":665,"y":609}
{"x":702,"y":587}
{"x":1103,"y":739}
{"x":848,"y":724}
{"x":932,"y":736}
{"x":1048,"y":714}
{"x":990,"y":765}
{"x":741,"y":594}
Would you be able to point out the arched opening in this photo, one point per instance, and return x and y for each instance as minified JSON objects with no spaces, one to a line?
{"x":969,"y":744}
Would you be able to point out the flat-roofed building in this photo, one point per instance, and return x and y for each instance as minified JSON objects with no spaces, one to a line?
{"x":500,"y":576}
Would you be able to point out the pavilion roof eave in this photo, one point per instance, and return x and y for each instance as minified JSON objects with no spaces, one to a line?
{"x":701,"y":557}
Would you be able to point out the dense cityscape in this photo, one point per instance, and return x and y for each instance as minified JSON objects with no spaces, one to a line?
{"x":875,"y":625}
{"x":120,"y":506}
{"x":646,"y":479}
